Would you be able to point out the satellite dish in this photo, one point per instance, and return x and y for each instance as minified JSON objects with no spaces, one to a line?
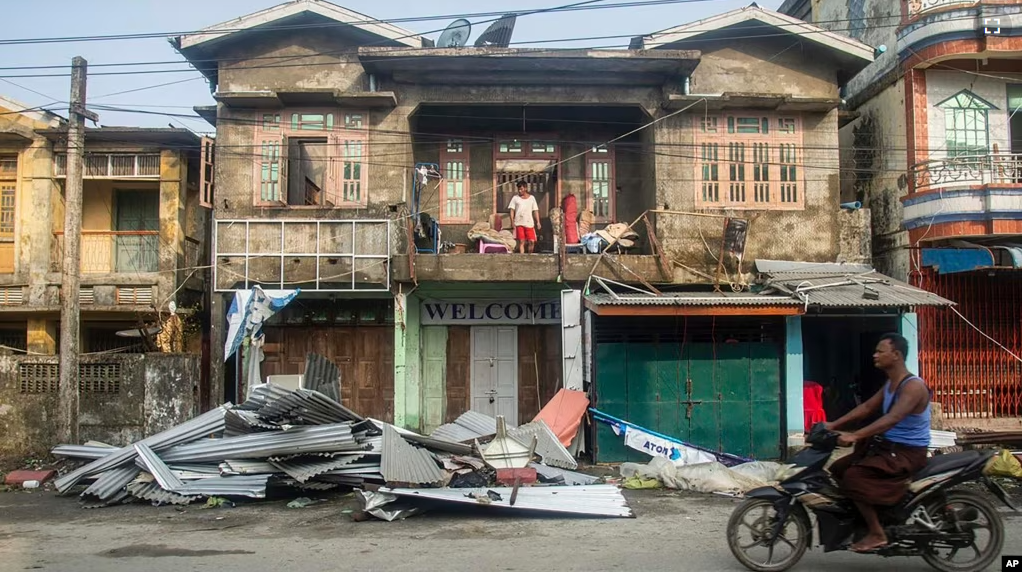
{"x":499,"y":34}
{"x":455,"y":35}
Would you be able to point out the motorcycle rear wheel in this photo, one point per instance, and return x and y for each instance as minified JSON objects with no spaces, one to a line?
{"x":959,"y":501}
{"x":757,"y":518}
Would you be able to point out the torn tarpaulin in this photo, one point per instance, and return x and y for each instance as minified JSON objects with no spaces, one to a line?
{"x":659,"y":445}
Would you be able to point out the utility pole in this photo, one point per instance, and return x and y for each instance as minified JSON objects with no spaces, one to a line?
{"x":69,"y":309}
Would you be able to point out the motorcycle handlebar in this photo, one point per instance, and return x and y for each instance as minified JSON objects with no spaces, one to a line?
{"x":821,"y":438}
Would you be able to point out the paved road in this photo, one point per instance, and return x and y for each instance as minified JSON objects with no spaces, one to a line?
{"x":673,"y":532}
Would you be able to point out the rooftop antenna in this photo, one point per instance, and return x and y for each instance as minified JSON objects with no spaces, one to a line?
{"x":499,"y":34}
{"x":455,"y":35}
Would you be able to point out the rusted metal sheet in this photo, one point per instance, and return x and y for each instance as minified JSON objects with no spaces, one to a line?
{"x":970,"y":375}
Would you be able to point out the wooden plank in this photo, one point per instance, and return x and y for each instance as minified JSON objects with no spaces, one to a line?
{"x":662,"y":259}
{"x":459,"y":362}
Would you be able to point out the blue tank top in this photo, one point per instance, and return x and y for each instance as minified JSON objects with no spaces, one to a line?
{"x":914,"y":429}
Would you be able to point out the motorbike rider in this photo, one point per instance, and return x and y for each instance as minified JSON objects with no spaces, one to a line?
{"x":890,"y":450}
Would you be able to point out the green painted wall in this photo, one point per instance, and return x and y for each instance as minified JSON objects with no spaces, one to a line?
{"x":407,"y":394}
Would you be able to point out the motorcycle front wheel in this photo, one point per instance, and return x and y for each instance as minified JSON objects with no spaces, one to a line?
{"x":750,"y":536}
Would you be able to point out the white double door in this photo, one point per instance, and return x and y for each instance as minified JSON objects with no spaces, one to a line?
{"x":494,"y":372}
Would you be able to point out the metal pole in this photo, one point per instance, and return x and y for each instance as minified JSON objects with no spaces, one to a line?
{"x":70,"y":280}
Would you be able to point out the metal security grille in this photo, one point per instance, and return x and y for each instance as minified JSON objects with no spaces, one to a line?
{"x":99,"y":378}
{"x":683,"y":329}
{"x":38,"y":378}
{"x":971,"y":376}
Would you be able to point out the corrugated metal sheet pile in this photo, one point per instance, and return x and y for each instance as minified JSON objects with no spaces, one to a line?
{"x":302,"y":440}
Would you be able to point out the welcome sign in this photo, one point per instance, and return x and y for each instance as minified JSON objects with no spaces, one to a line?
{"x":490,"y":312}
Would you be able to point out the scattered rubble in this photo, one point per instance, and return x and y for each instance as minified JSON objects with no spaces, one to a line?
{"x":306,"y":441}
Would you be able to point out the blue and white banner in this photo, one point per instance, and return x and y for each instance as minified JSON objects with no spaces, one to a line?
{"x":679,"y":453}
{"x":249,"y":310}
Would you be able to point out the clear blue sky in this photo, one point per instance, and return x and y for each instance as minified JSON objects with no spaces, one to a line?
{"x":64,"y":18}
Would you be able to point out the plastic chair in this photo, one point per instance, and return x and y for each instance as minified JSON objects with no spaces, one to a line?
{"x":813,"y":404}
{"x":492,"y":248}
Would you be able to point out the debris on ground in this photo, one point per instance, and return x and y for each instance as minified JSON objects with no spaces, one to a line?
{"x":1005,"y":464}
{"x":281,"y":442}
{"x":649,"y":442}
{"x":28,"y":479}
{"x":709,"y":477}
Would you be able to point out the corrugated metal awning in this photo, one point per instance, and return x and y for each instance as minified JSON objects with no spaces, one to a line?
{"x":869,"y":289}
{"x":692,"y":303}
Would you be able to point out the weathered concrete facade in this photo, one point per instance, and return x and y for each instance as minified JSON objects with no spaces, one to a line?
{"x":124,"y":397}
{"x":932,"y":145}
{"x":480,"y":114}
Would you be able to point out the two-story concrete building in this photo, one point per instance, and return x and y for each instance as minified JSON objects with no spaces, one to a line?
{"x":143,"y":246}
{"x":931,"y":144}
{"x":373,"y":171}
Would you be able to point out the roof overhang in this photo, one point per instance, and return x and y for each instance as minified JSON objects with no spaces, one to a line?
{"x":280,"y":15}
{"x":147,"y":136}
{"x":692,"y":304}
{"x":767,"y":101}
{"x":269,"y":99}
{"x":207,"y":112}
{"x":851,"y":55}
{"x":836,"y":286}
{"x":512,"y":66}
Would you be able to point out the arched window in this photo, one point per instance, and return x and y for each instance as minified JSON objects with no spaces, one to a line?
{"x":966,"y":124}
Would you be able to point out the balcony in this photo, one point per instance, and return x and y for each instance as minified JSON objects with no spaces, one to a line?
{"x":113,"y":165}
{"x":964,"y":196}
{"x":931,"y":28}
{"x":967,"y":171}
{"x":106,"y":252}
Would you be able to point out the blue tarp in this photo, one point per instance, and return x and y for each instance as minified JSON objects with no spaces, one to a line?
{"x":959,"y":260}
{"x":249,"y":310}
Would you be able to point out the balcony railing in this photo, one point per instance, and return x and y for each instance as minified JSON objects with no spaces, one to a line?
{"x":105,"y":252}
{"x":920,"y":7}
{"x":113,"y":165}
{"x":967,"y":170}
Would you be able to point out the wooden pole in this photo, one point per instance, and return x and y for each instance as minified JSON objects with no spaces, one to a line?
{"x":70,"y":280}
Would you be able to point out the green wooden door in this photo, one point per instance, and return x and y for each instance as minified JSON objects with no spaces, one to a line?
{"x":724,"y":397}
{"x":137,"y":211}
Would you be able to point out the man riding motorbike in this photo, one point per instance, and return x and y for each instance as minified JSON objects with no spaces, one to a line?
{"x":891,"y":449}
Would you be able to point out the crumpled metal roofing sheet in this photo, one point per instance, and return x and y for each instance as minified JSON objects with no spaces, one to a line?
{"x":322,"y":375}
{"x":163,"y":474}
{"x":244,"y":486}
{"x":151,"y":491}
{"x":112,"y":481}
{"x":846,"y":290}
{"x":403,"y":463}
{"x":261,"y":394}
{"x":82,"y":452}
{"x":209,"y":423}
{"x":467,"y":427}
{"x":307,"y":406}
{"x":304,"y":470}
{"x":246,"y":467}
{"x":596,"y":500}
{"x":323,"y":438}
{"x":569,"y":477}
{"x":548,"y":446}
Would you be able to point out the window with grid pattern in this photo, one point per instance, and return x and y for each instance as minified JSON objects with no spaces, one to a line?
{"x":8,"y":195}
{"x":454,"y":164}
{"x":966,"y":124}
{"x":600,"y":183}
{"x":321,"y":153}
{"x":749,"y":160}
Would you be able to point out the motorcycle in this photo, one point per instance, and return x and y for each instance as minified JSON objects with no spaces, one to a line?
{"x":933,"y":521}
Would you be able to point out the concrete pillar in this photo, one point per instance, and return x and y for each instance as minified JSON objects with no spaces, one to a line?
{"x":42,"y":336}
{"x":219,"y":303}
{"x":794,"y":380}
{"x":908,"y":328}
{"x":407,"y":387}
{"x":172,"y":208}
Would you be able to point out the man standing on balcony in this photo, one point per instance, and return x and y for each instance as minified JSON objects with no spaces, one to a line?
{"x":525,"y":216}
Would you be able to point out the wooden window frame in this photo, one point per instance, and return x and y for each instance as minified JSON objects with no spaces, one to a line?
{"x":527,"y":153}
{"x":594,"y":157}
{"x":9,"y":192}
{"x":749,"y":165}
{"x":448,"y":156}
{"x":347,"y":128}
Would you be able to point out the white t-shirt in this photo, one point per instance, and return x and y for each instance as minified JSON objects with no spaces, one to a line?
{"x":523,"y":210}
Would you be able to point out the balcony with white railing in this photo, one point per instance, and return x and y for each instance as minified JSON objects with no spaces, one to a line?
{"x":108,"y":252}
{"x":920,"y":7}
{"x":966,"y":195}
{"x":967,"y":171}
